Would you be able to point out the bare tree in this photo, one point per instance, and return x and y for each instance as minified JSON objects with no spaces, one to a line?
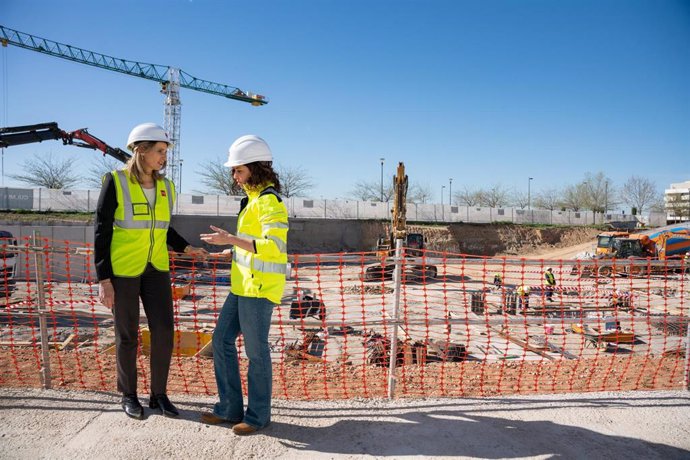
{"x":467,"y":197}
{"x":598,"y":191}
{"x":419,"y":193}
{"x":521,"y":200}
{"x":639,"y":193}
{"x":495,"y":197}
{"x":371,"y":191}
{"x":548,"y":199}
{"x":216,"y":177}
{"x":575,"y":197}
{"x":48,"y":172}
{"x":99,"y":169}
{"x":294,"y":181}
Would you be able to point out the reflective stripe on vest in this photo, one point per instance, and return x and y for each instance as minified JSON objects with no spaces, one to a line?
{"x":282,"y":247}
{"x":245,"y":260}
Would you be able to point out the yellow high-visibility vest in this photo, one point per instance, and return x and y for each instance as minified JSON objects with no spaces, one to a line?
{"x":523,"y":290}
{"x":263,"y":219}
{"x":140,"y":230}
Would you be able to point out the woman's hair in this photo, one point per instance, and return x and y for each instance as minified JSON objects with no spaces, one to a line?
{"x":135,"y":165}
{"x":262,"y":173}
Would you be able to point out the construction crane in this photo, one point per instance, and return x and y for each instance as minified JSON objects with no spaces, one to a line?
{"x":170,"y":78}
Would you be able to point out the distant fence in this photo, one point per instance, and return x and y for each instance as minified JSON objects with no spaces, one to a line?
{"x":355,"y":325}
{"x":222,"y":205}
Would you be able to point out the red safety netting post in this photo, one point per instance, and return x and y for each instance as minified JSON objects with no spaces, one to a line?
{"x":365,"y":339}
{"x":52,"y":315}
{"x":41,"y":309}
{"x":344,"y":357}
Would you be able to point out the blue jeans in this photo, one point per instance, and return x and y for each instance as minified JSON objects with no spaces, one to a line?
{"x":252,"y":317}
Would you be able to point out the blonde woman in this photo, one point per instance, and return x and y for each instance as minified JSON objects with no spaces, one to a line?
{"x":132,"y":235}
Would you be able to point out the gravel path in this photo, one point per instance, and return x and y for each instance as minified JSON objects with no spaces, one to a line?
{"x":87,"y":425}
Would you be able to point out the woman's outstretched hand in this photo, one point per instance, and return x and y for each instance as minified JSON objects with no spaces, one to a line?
{"x":219,"y":237}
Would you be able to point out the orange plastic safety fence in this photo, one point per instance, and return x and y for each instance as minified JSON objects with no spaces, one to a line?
{"x":458,"y":325}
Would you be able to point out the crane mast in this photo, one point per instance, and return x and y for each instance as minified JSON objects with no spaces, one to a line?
{"x":170,"y":78}
{"x":173,"y":115}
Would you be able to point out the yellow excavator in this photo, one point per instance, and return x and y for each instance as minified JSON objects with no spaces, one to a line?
{"x":413,"y":243}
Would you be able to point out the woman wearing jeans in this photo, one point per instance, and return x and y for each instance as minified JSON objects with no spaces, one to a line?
{"x":257,"y":279}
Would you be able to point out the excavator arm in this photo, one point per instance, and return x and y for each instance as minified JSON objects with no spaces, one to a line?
{"x":29,"y":134}
{"x":399,"y":219}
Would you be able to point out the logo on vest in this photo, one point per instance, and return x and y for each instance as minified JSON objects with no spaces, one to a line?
{"x":163,"y":193}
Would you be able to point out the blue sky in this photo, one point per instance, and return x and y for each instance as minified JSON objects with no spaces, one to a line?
{"x":485,"y":92}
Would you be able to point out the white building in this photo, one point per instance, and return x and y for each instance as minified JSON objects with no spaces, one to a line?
{"x":677,"y":201}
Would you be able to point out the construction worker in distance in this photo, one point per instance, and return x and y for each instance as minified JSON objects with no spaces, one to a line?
{"x":523,"y":292}
{"x":550,"y":284}
{"x":498,"y":280}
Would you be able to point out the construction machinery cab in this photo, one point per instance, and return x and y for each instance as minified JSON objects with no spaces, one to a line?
{"x":413,"y":243}
{"x":623,"y":248}
{"x":605,"y":239}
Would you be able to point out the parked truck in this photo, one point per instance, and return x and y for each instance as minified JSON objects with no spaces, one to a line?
{"x":644,"y":253}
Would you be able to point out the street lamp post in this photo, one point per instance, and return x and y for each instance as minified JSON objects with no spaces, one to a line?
{"x":443,"y":217}
{"x":606,"y":197}
{"x":181,"y":160}
{"x":529,"y":196}
{"x":450,"y":191}
{"x":382,"y":160}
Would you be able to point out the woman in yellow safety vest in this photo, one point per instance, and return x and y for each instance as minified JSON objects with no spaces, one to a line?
{"x":257,"y":278}
{"x":132,"y":232}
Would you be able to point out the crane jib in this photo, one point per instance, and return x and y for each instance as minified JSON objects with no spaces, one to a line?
{"x":155,"y":72}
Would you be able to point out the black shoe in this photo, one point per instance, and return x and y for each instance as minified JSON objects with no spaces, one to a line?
{"x":132,"y":407}
{"x":163,"y":403}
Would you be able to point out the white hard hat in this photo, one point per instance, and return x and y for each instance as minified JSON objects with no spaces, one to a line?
{"x":549,"y":269}
{"x":248,"y":149}
{"x":147,"y":132}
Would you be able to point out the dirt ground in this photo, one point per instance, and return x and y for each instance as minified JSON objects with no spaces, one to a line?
{"x":508,"y":239}
{"x":90,"y":425}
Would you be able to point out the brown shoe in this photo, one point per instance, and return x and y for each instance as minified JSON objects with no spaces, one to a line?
{"x":242,"y":429}
{"x":210,"y":418}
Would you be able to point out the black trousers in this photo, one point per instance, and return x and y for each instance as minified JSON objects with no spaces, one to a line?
{"x":153,"y":288}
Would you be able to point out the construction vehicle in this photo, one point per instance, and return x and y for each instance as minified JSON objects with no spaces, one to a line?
{"x":413,"y":243}
{"x":18,"y":135}
{"x":651,"y":250}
